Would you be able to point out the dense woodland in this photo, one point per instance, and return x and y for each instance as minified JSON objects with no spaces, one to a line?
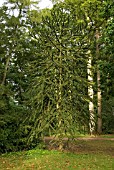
{"x":56,"y":71}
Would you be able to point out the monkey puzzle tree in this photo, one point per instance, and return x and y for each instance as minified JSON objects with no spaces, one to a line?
{"x":59,"y":77}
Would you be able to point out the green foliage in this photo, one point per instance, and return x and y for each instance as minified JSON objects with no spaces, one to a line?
{"x":107,"y":75}
{"x":13,"y":79}
{"x":108,"y":116}
{"x":13,"y":131}
{"x":59,"y":72}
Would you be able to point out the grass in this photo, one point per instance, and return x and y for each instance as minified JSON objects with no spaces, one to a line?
{"x":108,"y":136}
{"x":86,"y":155}
{"x":99,"y":136}
{"x":86,"y":135}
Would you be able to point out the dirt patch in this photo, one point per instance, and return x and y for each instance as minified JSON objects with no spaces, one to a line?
{"x":82,"y":145}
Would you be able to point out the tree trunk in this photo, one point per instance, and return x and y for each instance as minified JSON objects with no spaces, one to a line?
{"x":59,"y":99}
{"x":99,"y":105}
{"x":99,"y":96}
{"x":90,"y":94}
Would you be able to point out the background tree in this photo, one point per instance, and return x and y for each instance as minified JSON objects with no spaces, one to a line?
{"x":15,"y":54}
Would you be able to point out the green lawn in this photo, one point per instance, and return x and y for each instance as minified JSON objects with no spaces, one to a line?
{"x":88,"y":155}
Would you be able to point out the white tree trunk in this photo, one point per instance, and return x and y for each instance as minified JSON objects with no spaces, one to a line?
{"x":90,"y":94}
{"x":99,"y":96}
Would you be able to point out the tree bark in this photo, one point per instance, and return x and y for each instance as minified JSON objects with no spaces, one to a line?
{"x":90,"y":94}
{"x":99,"y":96}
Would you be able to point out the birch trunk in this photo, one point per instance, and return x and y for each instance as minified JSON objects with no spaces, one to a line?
{"x":90,"y":94}
{"x":99,"y":96}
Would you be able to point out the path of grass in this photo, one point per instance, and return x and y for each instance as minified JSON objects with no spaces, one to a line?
{"x":90,"y":155}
